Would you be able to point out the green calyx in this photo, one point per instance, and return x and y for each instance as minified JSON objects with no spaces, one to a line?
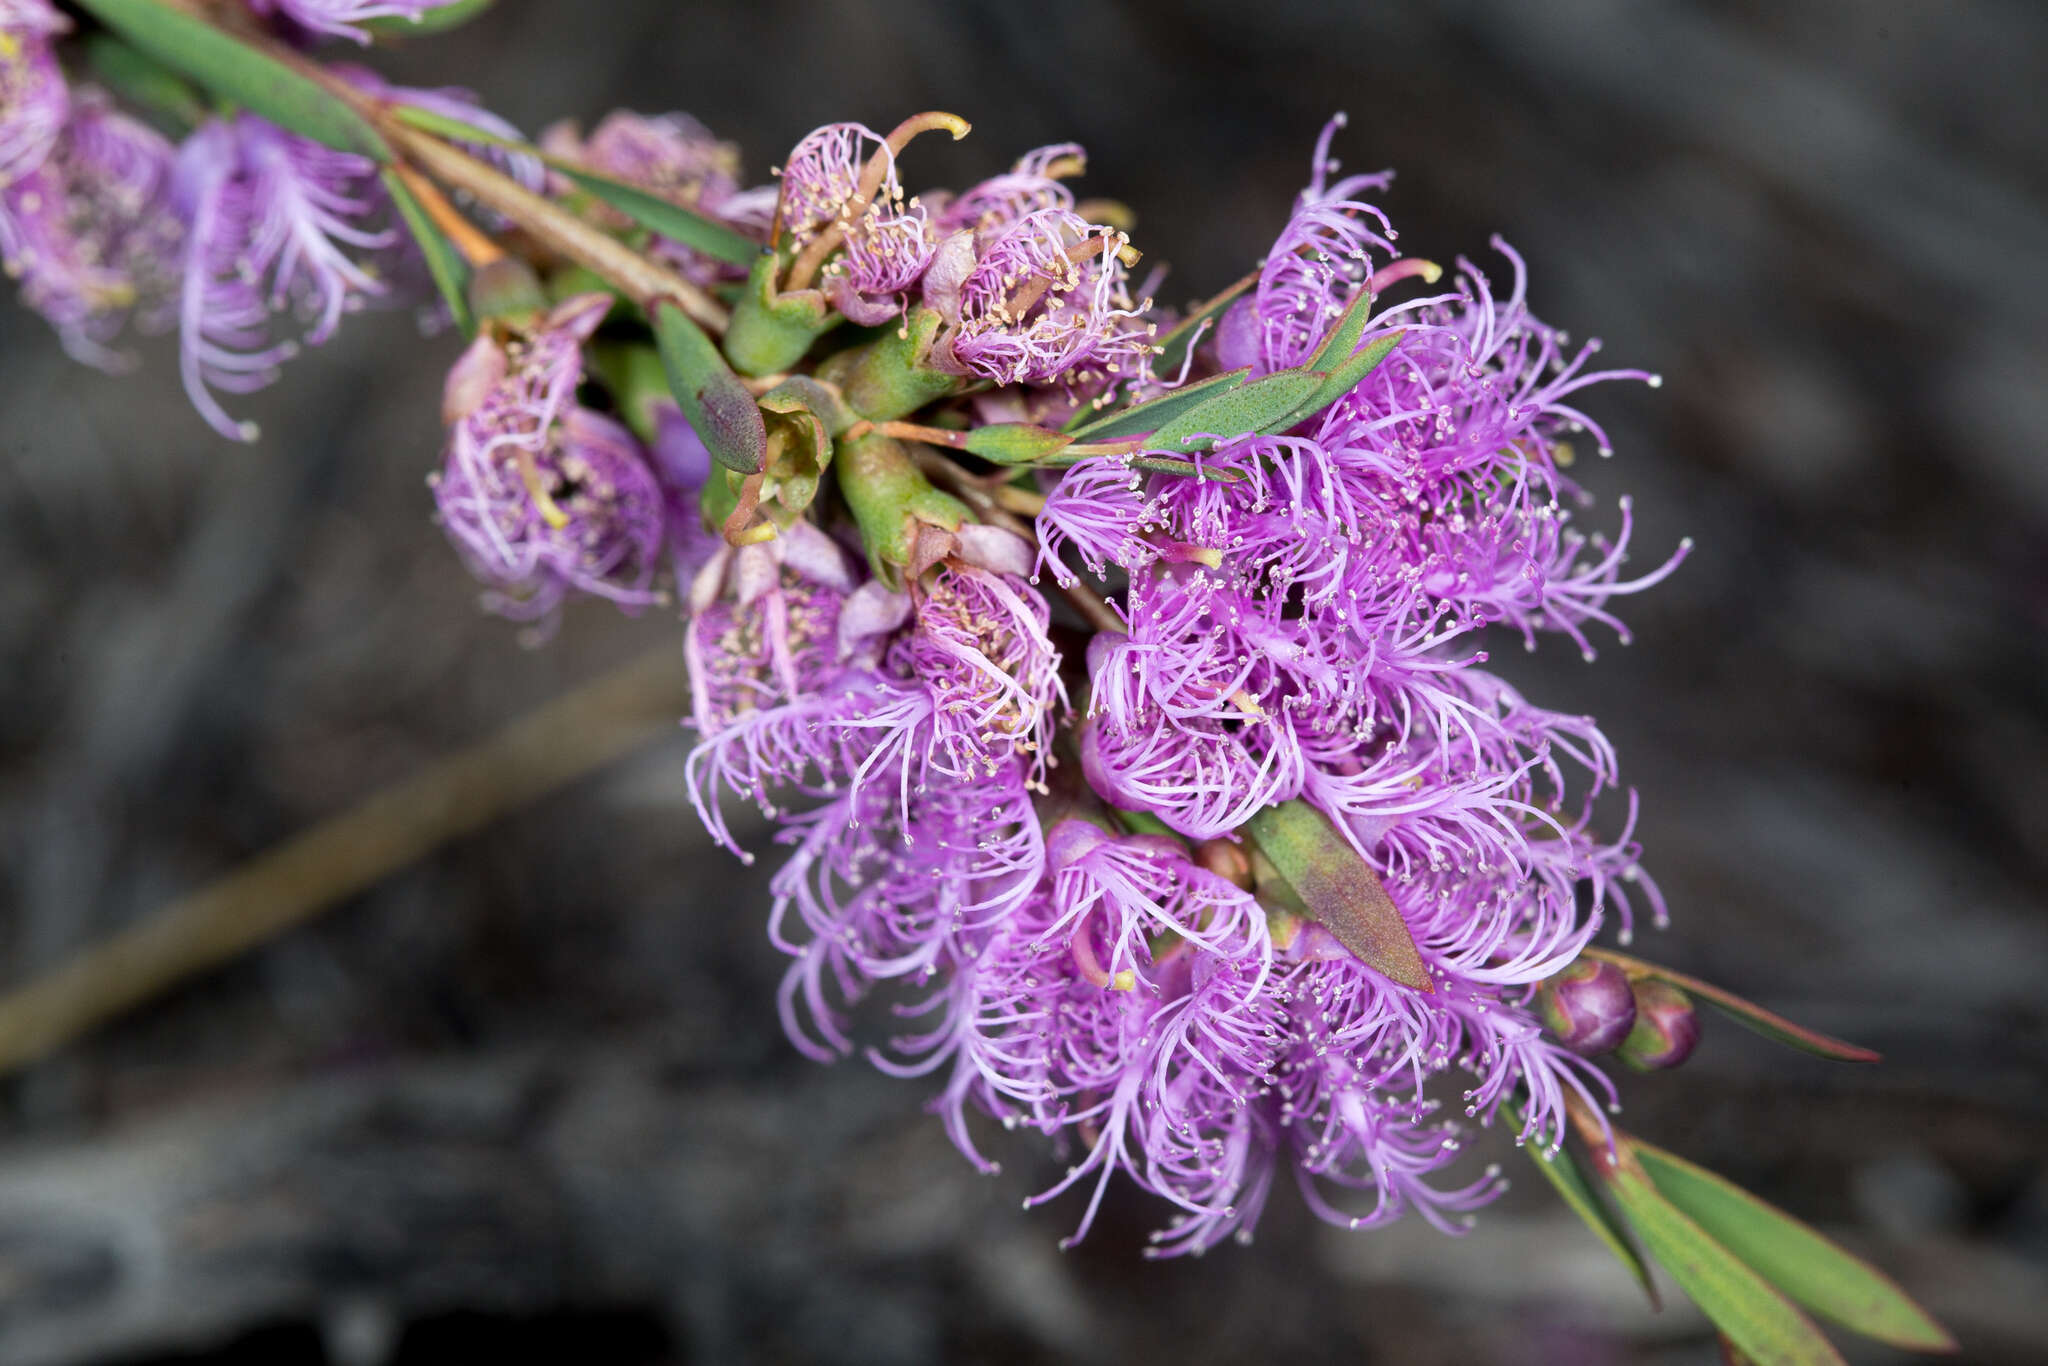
{"x":771,"y":331}
{"x":903,"y":520}
{"x":890,"y":377}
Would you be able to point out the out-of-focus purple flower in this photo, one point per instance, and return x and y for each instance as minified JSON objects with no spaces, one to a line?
{"x":840,"y":186}
{"x":677,"y":158}
{"x":271,"y":220}
{"x":1044,"y":299}
{"x":33,"y":96}
{"x":344,"y":18}
{"x":543,"y":497}
{"x":90,"y":232}
{"x":459,"y":105}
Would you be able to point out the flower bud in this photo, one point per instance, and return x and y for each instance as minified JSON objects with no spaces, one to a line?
{"x":1588,"y":1006}
{"x":1666,"y":1028}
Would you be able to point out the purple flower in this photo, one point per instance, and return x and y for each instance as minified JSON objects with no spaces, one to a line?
{"x":840,"y":189}
{"x":90,"y":232}
{"x":1044,"y":298}
{"x":980,"y":649}
{"x":271,"y":219}
{"x":33,"y":96}
{"x":541,"y":496}
{"x":1000,"y":201}
{"x":459,"y":105}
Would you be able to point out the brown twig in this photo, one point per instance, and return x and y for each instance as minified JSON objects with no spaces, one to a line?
{"x":476,"y":246}
{"x":571,"y":736}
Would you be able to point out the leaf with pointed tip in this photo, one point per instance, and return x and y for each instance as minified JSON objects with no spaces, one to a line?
{"x":1343,"y":338}
{"x":1173,"y":347}
{"x":233,"y":70}
{"x":1742,"y":1304}
{"x":1562,"y":1170}
{"x":1334,"y":885}
{"x":1154,"y":413}
{"x":1251,"y":407}
{"x":1015,"y":443}
{"x":1745,"y":1013}
{"x":1796,"y":1259}
{"x":437,"y":20}
{"x":1347,"y":375}
{"x":663,"y":217}
{"x":444,"y":263}
{"x":719,"y":407}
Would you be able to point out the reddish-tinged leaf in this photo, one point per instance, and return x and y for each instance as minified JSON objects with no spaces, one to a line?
{"x":1334,"y":885}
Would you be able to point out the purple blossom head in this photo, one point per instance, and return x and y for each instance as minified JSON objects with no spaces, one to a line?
{"x":90,"y":232}
{"x":979,"y":647}
{"x":840,"y":185}
{"x":1045,"y":299}
{"x":1032,"y":184}
{"x":541,"y":496}
{"x":33,"y":96}
{"x":460,"y":106}
{"x":274,"y":225}
{"x":344,"y":18}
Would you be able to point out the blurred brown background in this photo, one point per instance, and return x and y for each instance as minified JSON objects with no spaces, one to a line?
{"x":530,"y":1098}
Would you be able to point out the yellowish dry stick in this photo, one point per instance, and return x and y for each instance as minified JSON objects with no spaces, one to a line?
{"x":579,"y":732}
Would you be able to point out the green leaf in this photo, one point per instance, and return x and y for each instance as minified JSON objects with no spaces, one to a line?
{"x":438,"y":20}
{"x":1346,"y":376}
{"x":1156,"y":412}
{"x":142,"y":80}
{"x":233,"y":70}
{"x":1748,"y":1014}
{"x":662,"y":216}
{"x":1015,"y":443}
{"x":1742,"y":1304}
{"x":1343,"y":338}
{"x":1562,"y":1170}
{"x":1334,"y":885}
{"x":1251,"y":407}
{"x":717,"y":405}
{"x":444,"y":262}
{"x":1173,"y":347}
{"x":1796,"y":1259}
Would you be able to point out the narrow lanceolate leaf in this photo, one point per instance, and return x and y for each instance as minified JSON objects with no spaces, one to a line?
{"x":233,"y":70}
{"x":1341,"y":379}
{"x":1343,"y":338}
{"x":1251,"y":407}
{"x":661,"y":216}
{"x":437,"y":20}
{"x":1745,"y":1013}
{"x":1015,"y":443}
{"x":1155,"y":413}
{"x":664,"y":217}
{"x":444,"y":262}
{"x":1758,"y":1319}
{"x":1173,"y":347}
{"x":1809,"y":1268}
{"x":142,"y":80}
{"x":1562,"y":1170}
{"x":1334,"y":885}
{"x":718,"y":406}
